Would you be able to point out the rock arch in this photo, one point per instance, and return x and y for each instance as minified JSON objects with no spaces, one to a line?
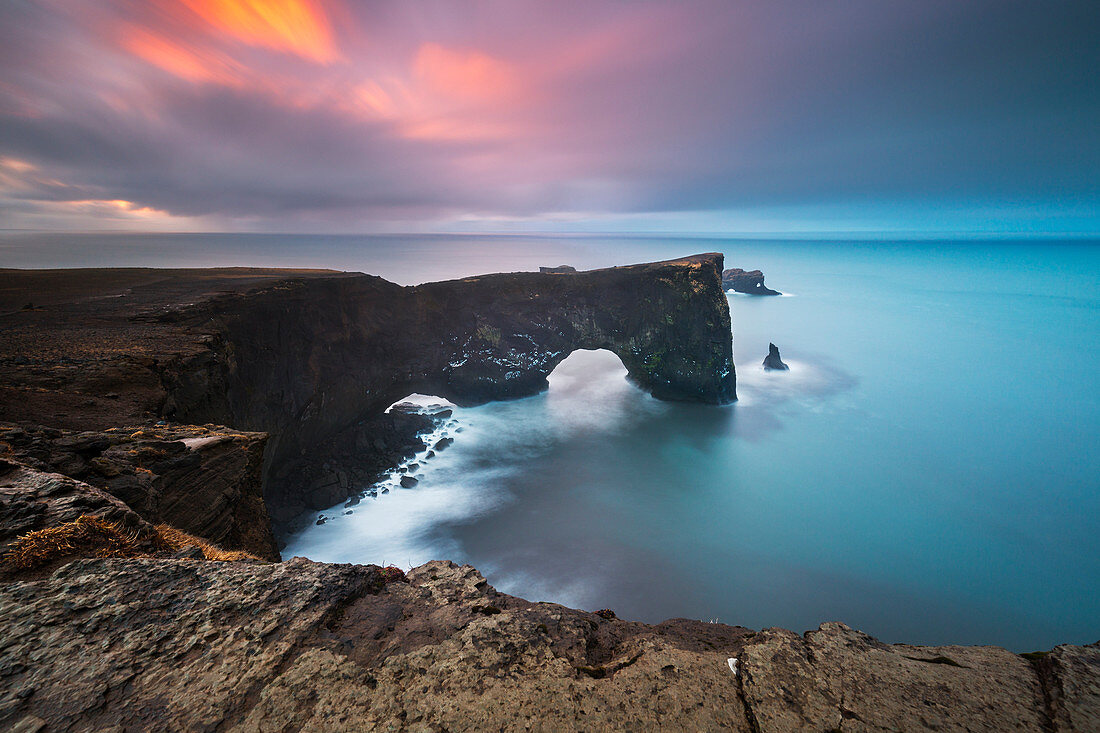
{"x":304,"y":359}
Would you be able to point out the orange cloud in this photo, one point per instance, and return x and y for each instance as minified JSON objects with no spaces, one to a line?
{"x":180,"y":60}
{"x":471,"y":75}
{"x":296,"y":26}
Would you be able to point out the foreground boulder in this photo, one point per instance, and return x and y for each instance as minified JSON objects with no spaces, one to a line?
{"x":839,"y":679}
{"x":194,"y":645}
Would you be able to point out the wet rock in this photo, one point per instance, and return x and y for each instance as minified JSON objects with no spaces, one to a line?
{"x":326,"y":495}
{"x":443,"y":443}
{"x":772,"y":362}
{"x":407,"y":482}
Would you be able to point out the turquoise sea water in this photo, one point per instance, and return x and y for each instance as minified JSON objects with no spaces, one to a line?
{"x":927,"y":472}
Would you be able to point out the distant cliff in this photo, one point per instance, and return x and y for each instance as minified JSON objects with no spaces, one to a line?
{"x":305,"y":357}
{"x":750,"y":282}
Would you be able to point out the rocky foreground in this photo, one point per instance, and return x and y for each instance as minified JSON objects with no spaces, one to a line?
{"x":179,"y":644}
{"x":140,"y":581}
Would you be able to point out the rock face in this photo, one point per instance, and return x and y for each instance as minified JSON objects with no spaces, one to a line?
{"x":306,"y":359}
{"x":307,"y":356}
{"x":839,"y":679}
{"x":772,"y":362}
{"x":1072,"y":685}
{"x":31,"y":500}
{"x":194,"y":645}
{"x":750,"y":282}
{"x":205,"y":481}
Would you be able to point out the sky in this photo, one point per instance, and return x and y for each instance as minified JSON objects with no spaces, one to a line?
{"x":336,"y":116}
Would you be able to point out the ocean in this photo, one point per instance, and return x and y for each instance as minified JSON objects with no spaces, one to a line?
{"x":928,"y":471}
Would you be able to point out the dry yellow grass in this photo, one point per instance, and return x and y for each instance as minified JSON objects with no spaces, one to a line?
{"x":85,"y":536}
{"x":91,"y":536}
{"x":176,"y":539}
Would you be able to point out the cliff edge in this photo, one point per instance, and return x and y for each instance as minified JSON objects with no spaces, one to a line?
{"x":185,"y":644}
{"x":305,"y":356}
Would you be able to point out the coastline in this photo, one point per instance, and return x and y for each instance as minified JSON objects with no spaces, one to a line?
{"x":89,"y":381}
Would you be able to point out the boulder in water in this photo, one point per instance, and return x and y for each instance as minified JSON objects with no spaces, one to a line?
{"x":772,"y":362}
{"x":407,"y":482}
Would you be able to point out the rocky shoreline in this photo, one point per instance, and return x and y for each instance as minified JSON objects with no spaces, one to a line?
{"x":115,"y":390}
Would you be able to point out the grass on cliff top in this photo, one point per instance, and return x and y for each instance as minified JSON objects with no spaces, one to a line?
{"x":91,"y":536}
{"x":177,"y":540}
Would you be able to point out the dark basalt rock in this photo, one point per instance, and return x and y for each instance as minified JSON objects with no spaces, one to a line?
{"x":750,"y":282}
{"x":407,"y":482}
{"x":32,"y":500}
{"x":305,"y":357}
{"x":202,"y":480}
{"x":772,"y":362}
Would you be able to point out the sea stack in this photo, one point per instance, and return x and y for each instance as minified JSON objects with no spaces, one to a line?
{"x":750,"y":282}
{"x":772,"y":362}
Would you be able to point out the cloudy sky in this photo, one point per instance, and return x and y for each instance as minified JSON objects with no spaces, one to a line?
{"x":506,"y":115}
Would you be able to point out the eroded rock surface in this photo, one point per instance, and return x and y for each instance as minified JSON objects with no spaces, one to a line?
{"x":306,"y":646}
{"x":1071,"y":681}
{"x":193,"y":645}
{"x":205,"y":481}
{"x":31,"y":500}
{"x":839,"y":679}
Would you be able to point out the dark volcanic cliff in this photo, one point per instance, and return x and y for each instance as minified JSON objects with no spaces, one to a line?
{"x":307,"y":356}
{"x":305,"y":359}
{"x":750,"y":282}
{"x":205,"y":481}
